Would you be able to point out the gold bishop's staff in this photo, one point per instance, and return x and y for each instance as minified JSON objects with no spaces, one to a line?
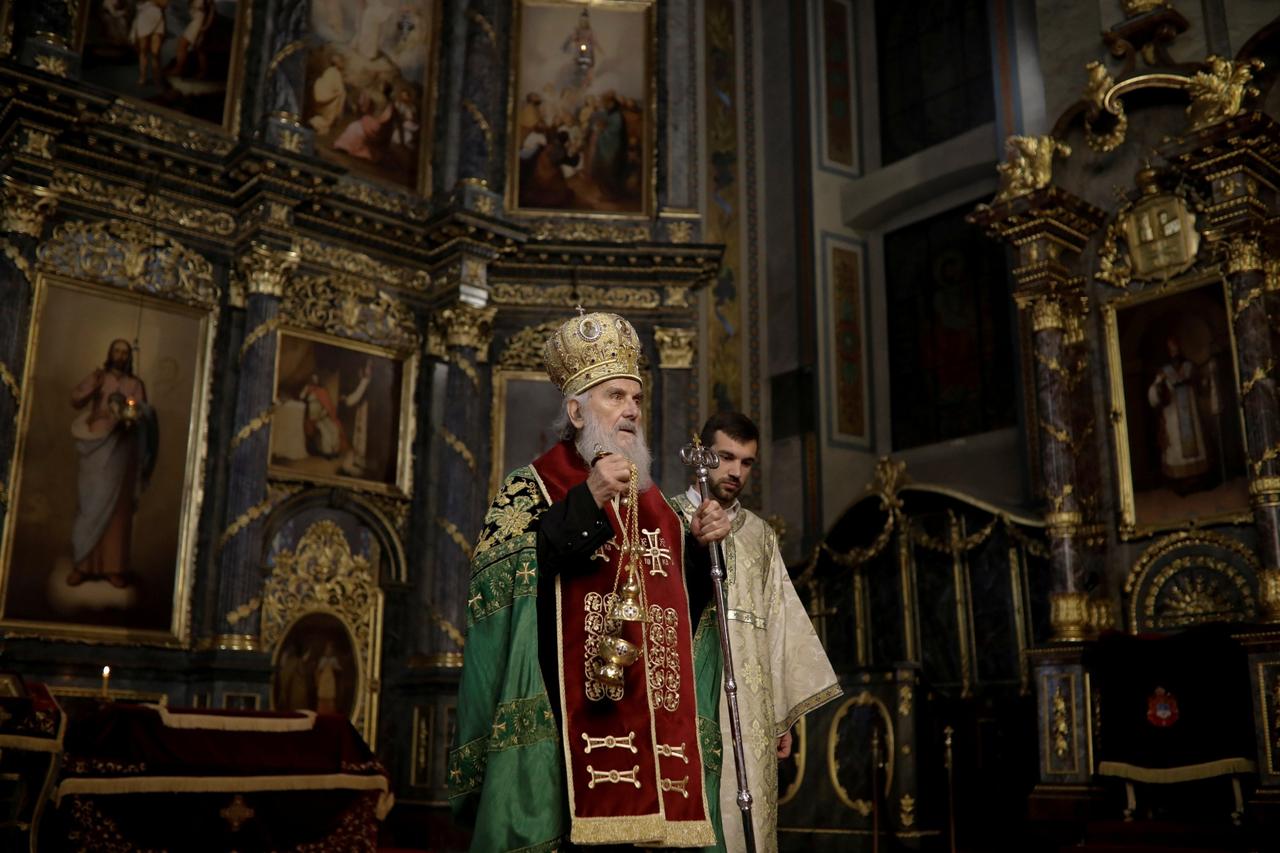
{"x":702,"y":459}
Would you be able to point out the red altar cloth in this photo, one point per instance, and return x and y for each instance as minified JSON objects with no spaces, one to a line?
{"x":157,"y":778}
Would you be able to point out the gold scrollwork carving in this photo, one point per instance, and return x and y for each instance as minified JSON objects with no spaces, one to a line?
{"x":244,"y":611}
{"x":1243,"y":255}
{"x":52,"y":63}
{"x":676,"y":349}
{"x":350,"y":307}
{"x":15,"y":256}
{"x":166,"y":129}
{"x":524,"y":349}
{"x":564,"y":295}
{"x":458,"y":447}
{"x":258,"y":332}
{"x":485,"y":27}
{"x":37,"y":143}
{"x":130,"y":255}
{"x":468,"y":368}
{"x":1028,"y":165}
{"x":242,"y":521}
{"x":26,"y":207}
{"x":907,"y":811}
{"x":1260,"y":374}
{"x":10,"y":382}
{"x":379,"y":199}
{"x":255,"y":424}
{"x":131,"y":200}
{"x":1219,"y":93}
{"x":265,"y":270}
{"x":1194,"y":588}
{"x":587,"y":231}
{"x":1098,"y":94}
{"x":322,"y":574}
{"x":452,"y":531}
{"x":1061,"y":725}
{"x":478,"y":117}
{"x":680,"y":232}
{"x":1047,"y":314}
{"x":676,"y":296}
{"x":361,"y":265}
{"x":904,"y":700}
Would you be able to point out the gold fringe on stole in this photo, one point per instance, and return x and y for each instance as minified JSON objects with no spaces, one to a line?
{"x":218,"y":784}
{"x":1187,"y":773}
{"x":302,"y":723}
{"x":817,"y":700}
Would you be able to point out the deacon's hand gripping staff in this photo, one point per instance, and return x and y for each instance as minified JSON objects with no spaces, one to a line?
{"x":702,"y":460}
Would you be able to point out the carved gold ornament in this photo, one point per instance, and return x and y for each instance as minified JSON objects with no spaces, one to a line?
{"x":322,"y":575}
{"x":565,"y":295}
{"x":167,"y":129}
{"x":339,"y":259}
{"x":524,"y":349}
{"x":1028,"y":165}
{"x":676,"y":347}
{"x":156,"y":208}
{"x":1219,"y":93}
{"x":26,"y":207}
{"x":1191,"y":577}
{"x":464,"y":326}
{"x":351,"y":308}
{"x":265,"y":269}
{"x":587,"y":231}
{"x":132,"y":256}
{"x":1160,"y":234}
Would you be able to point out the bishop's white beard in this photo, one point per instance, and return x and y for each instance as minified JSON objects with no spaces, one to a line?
{"x":595,"y":436}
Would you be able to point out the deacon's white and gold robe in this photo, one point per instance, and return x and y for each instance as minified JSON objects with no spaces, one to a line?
{"x":782,"y":670}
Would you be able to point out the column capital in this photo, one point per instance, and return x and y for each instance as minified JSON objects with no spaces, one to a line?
{"x":462,"y":326}
{"x":677,"y":347}
{"x":265,"y":269}
{"x":26,"y":207}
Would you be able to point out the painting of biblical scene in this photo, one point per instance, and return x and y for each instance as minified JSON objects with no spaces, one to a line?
{"x":316,"y":668}
{"x":178,"y":54}
{"x":582,"y":125}
{"x":101,"y":532}
{"x":338,"y":412}
{"x":370,"y":73}
{"x":1173,"y":376}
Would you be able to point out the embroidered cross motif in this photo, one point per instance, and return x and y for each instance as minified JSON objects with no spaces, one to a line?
{"x":498,"y":727}
{"x":456,"y":774}
{"x":673,"y":752}
{"x":610,"y":742}
{"x":655,"y":553}
{"x":525,"y":573}
{"x":602,"y":553}
{"x":236,"y":813}
{"x":615,"y":776}
{"x":680,"y":786}
{"x":476,"y":599}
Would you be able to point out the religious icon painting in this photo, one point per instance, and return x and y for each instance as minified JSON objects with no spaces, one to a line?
{"x":836,"y":76}
{"x":343,"y":413}
{"x":846,"y":356}
{"x":1178,"y":430}
{"x":100,"y":536}
{"x":182,"y":55}
{"x":317,"y":667}
{"x":371,"y":86}
{"x":582,"y":121}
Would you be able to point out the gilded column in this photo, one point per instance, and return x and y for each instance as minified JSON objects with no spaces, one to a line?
{"x":1234,"y":156}
{"x":1048,"y":228}
{"x":677,"y":350}
{"x":265,"y":271}
{"x":22,"y":220}
{"x":459,"y":341}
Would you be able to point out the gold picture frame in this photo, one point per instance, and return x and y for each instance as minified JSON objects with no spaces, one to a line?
{"x":556,"y":165}
{"x":1183,"y":333}
{"x":325,"y":53}
{"x":298,"y":457}
{"x":132,"y":91}
{"x":73,"y":323}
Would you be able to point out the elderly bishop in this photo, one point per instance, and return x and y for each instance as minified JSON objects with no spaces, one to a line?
{"x":588,"y":708}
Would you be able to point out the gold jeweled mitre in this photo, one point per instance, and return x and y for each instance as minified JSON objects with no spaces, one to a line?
{"x":588,"y":349}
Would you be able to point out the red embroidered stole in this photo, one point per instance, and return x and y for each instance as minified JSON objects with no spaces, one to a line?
{"x":633,"y":762}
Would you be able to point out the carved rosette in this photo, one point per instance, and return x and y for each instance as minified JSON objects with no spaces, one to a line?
{"x":676,"y":347}
{"x":26,"y":207}
{"x":266,"y":270}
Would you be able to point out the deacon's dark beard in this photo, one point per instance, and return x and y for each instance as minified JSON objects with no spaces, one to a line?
{"x":595,"y":436}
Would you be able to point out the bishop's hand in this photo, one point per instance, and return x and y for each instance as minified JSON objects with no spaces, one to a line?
{"x":609,"y":478}
{"x":710,"y":523}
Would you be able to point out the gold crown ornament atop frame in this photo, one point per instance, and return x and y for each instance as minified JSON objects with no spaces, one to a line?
{"x":590,"y":348}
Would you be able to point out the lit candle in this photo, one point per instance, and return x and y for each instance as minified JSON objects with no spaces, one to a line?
{"x":106,"y":680}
